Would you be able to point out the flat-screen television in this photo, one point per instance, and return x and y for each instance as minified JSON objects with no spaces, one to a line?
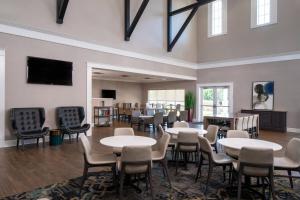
{"x":47,"y":71}
{"x":109,"y":94}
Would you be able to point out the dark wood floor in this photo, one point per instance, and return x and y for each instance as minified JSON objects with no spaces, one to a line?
{"x":34,"y":167}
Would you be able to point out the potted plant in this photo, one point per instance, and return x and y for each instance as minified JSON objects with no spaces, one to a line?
{"x":190,"y":101}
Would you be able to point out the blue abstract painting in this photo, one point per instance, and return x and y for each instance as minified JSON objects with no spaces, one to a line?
{"x":263,"y":95}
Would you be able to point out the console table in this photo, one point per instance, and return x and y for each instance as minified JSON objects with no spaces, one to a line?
{"x":270,"y":120}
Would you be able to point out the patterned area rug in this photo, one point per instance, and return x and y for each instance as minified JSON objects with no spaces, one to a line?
{"x":98,"y":186}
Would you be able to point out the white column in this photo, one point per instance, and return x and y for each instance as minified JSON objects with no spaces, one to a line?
{"x":2,"y":96}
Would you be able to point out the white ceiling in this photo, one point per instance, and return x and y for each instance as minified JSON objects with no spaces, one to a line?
{"x":129,"y":77}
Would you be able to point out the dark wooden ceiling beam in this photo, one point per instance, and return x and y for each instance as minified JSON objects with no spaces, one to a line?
{"x":194,"y":7}
{"x":129,"y":28}
{"x":61,"y":7}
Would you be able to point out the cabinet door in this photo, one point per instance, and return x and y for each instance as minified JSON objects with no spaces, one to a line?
{"x":279,"y":121}
{"x":265,"y":120}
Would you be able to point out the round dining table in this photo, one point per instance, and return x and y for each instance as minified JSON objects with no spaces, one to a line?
{"x":121,"y":141}
{"x":175,"y":131}
{"x":239,"y":143}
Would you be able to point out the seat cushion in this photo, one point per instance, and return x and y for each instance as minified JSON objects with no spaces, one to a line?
{"x":80,"y":129}
{"x":101,"y":159}
{"x":132,"y":169}
{"x":284,"y":162}
{"x":251,"y":171}
{"x":221,"y":158}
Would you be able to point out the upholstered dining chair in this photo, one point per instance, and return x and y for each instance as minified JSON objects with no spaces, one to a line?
{"x":173,"y":139}
{"x":181,"y":124}
{"x":159,"y":155}
{"x":70,"y":120}
{"x":135,"y":120}
{"x":255,"y":162}
{"x":245,"y":123}
{"x":135,"y":160}
{"x":239,"y":123}
{"x":28,"y":124}
{"x":290,"y":161}
{"x":123,"y":131}
{"x":250,"y":126}
{"x":187,"y":143}
{"x":213,"y":159}
{"x":212,"y":135}
{"x":255,"y":124}
{"x":183,"y":116}
{"x":235,"y":134}
{"x":92,"y":160}
{"x":172,"y":117}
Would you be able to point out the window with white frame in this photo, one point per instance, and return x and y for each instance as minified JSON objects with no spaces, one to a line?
{"x":217,"y":18}
{"x":166,"y":97}
{"x":263,"y":12}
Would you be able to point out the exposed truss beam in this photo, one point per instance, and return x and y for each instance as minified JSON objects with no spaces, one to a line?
{"x":193,"y":7}
{"x":129,"y":28}
{"x":61,"y":7}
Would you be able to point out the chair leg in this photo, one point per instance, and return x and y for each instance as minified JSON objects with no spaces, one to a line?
{"x":23,"y":144}
{"x":150,"y":184}
{"x":17,"y":143}
{"x":199,"y":168}
{"x":176,"y":160}
{"x":77,"y":137}
{"x":210,"y":168}
{"x":271,"y":179}
{"x":165,"y":166}
{"x":84,"y":176}
{"x":122,"y":176}
{"x":239,"y":185}
{"x":224,"y":175}
{"x":291,"y":179}
{"x":37,"y":141}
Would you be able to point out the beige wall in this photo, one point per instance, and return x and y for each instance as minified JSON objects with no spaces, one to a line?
{"x":242,"y":41}
{"x":287,"y":85}
{"x":20,"y":94}
{"x":102,"y":22}
{"x":187,"y":85}
{"x":126,"y":92}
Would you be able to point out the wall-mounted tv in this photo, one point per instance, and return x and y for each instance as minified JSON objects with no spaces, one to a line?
{"x":108,"y":94}
{"x":47,"y":71}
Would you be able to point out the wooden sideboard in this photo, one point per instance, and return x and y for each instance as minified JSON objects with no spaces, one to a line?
{"x":270,"y":120}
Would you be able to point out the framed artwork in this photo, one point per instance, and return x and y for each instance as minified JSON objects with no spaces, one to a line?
{"x":263,"y":95}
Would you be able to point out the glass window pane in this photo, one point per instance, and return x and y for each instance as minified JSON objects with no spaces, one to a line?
{"x":222,"y":97}
{"x":208,"y":96}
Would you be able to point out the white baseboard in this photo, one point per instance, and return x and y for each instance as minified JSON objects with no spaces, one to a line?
{"x":293,"y":130}
{"x":11,"y":143}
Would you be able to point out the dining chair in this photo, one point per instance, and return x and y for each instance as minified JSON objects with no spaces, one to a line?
{"x":158,"y":119}
{"x":172,"y":117}
{"x":159,"y":155}
{"x":255,"y":162}
{"x":239,"y":123}
{"x":92,"y":160}
{"x":123,"y":131}
{"x":214,"y":160}
{"x":245,"y":123}
{"x":135,"y":120}
{"x":181,"y":124}
{"x":187,"y":144}
{"x":255,"y":127}
{"x":290,"y":161}
{"x":183,"y":116}
{"x":235,"y":134}
{"x":212,"y":135}
{"x":135,"y":161}
{"x":250,"y":126}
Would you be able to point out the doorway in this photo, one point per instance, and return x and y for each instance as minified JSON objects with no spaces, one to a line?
{"x":214,"y":100}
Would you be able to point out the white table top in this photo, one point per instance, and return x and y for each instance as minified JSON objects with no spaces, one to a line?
{"x":146,"y":116}
{"x":238,"y":143}
{"x":121,"y":141}
{"x":175,"y":131}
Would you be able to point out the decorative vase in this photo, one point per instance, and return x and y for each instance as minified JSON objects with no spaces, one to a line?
{"x":190,"y":114}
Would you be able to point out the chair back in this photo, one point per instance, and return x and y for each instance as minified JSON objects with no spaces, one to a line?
{"x":256,"y":161}
{"x":178,"y":106}
{"x":172,"y":117}
{"x":70,"y":117}
{"x":181,"y":124}
{"x":250,"y":121}
{"x":163,"y":143}
{"x":293,"y":150}
{"x":212,"y":133}
{"x":86,"y":146}
{"x":123,"y":132}
{"x":239,"y":123}
{"x":158,"y":118}
{"x":136,"y":159}
{"x":237,"y":134}
{"x":205,"y":146}
{"x":183,"y":116}
{"x":136,"y":113}
{"x":245,"y":123}
{"x":255,"y":120}
{"x":161,"y":129}
{"x":187,"y":137}
{"x":150,"y":112}
{"x":27,"y":120}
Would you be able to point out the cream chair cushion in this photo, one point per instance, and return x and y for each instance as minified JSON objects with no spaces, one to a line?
{"x":181,"y":124}
{"x":212,"y":133}
{"x":160,"y":153}
{"x":189,"y":137}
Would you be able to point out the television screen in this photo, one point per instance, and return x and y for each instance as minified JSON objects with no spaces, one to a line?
{"x":46,"y":71}
{"x":109,"y":94}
